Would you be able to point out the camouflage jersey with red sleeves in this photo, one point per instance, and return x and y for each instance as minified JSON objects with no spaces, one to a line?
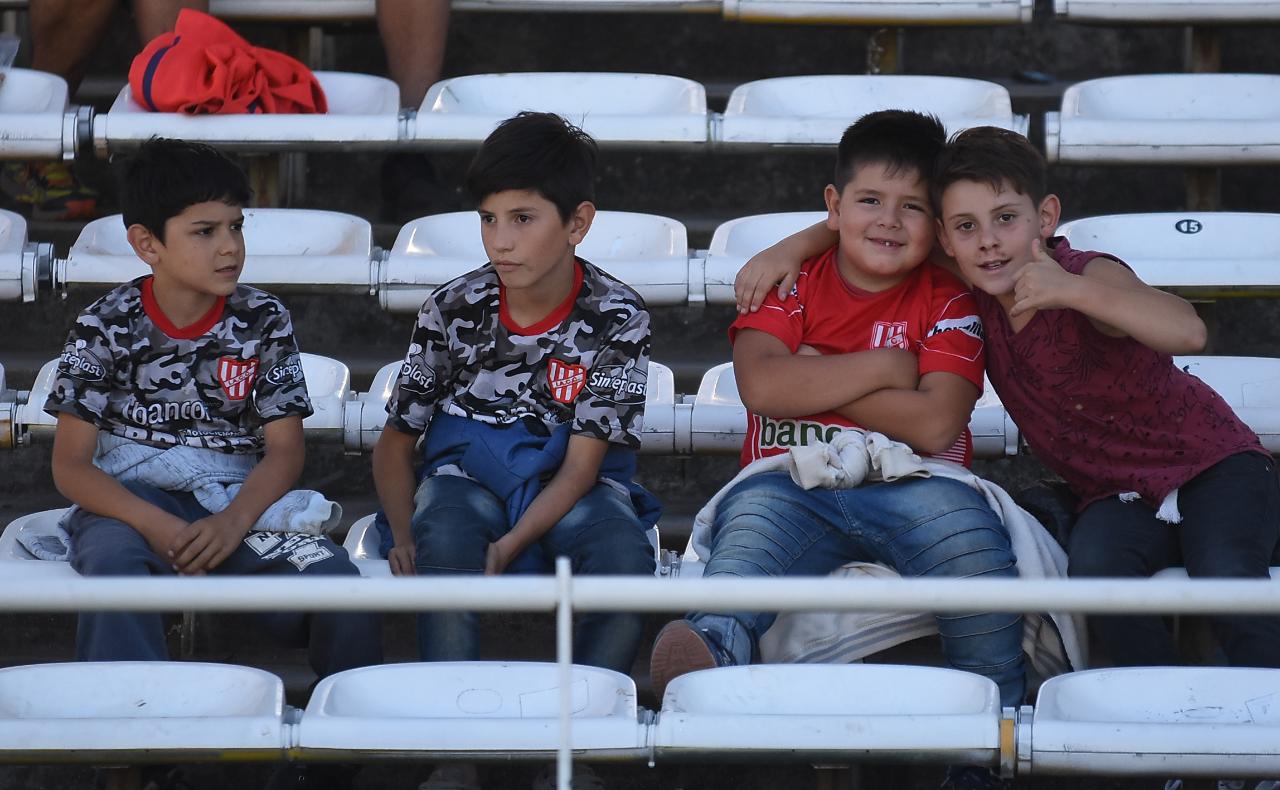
{"x":930,"y":313}
{"x":1108,"y":414}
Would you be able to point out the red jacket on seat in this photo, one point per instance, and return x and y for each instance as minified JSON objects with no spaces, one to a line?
{"x":204,"y":67}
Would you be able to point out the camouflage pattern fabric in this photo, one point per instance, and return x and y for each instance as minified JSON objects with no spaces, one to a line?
{"x":122,"y":372}
{"x":589,"y":369}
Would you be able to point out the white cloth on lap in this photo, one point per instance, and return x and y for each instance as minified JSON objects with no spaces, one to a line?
{"x":214,"y":478}
{"x":1054,"y":644}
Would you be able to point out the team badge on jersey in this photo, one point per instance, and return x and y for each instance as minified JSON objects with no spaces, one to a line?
{"x":236,"y":376}
{"x":889,"y":334}
{"x":565,"y":380}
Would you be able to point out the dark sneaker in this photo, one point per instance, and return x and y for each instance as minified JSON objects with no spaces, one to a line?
{"x":48,"y":191}
{"x":680,"y":648}
{"x":453,"y":776}
{"x":972,"y":777}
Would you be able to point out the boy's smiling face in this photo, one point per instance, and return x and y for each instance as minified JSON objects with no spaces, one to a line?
{"x":885,"y":225}
{"x":990,"y":232}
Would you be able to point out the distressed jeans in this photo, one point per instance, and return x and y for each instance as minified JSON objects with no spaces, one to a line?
{"x":769,"y":526}
{"x":454,"y":521}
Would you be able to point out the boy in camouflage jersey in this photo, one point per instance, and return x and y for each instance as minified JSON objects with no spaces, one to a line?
{"x":527,"y":378}
{"x":188,"y":361}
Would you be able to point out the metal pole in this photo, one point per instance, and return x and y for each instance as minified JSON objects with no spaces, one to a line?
{"x":564,"y":661}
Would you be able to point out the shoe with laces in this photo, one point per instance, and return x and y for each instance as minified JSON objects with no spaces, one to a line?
{"x":972,"y":777}
{"x":681,"y":647}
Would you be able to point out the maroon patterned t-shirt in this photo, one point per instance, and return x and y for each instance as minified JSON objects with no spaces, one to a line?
{"x":1107,"y":413}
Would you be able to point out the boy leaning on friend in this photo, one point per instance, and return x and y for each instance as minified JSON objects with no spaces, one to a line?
{"x":521,"y":399}
{"x":182,"y":383}
{"x":1078,"y":349}
{"x":871,"y":336}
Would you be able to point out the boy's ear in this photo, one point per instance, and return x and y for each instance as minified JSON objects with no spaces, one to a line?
{"x":831,"y":196}
{"x":1050,"y":213}
{"x":144,"y":243}
{"x":580,"y":221}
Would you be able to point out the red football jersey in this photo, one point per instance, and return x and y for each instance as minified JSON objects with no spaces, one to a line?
{"x":930,"y":313}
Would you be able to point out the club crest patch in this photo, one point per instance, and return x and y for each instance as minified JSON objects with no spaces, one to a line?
{"x":565,"y":380}
{"x":236,"y":376}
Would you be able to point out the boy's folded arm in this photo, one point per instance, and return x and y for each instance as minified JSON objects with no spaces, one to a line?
{"x":774,"y":382}
{"x":778,"y":266}
{"x":1121,"y":304}
{"x":928,"y":419}
{"x":76,"y":478}
{"x":395,"y":483}
{"x":206,"y":543}
{"x":577,"y":475}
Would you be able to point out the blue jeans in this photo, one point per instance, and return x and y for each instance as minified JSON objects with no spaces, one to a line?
{"x":454,"y":521}
{"x":1230,"y":528}
{"x":769,"y":526}
{"x":102,"y":546}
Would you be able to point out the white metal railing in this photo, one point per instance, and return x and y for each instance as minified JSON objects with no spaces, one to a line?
{"x":566,"y":593}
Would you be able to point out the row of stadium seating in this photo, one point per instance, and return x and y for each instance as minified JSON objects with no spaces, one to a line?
{"x":1196,"y":721}
{"x":1199,"y":255}
{"x":1202,"y":119}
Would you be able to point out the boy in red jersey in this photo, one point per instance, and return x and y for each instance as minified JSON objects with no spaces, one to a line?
{"x":874,"y":337}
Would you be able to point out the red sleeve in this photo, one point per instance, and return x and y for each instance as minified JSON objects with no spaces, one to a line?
{"x":782,"y":318}
{"x":953,"y":342}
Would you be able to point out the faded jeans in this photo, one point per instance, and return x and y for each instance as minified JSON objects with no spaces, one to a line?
{"x":769,"y":526}
{"x":454,"y":521}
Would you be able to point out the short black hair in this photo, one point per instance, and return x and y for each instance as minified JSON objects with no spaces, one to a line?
{"x":898,"y":139}
{"x":994,"y":156}
{"x":538,"y":151}
{"x":165,"y":176}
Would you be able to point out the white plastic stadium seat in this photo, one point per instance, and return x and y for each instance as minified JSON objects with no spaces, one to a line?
{"x":18,"y":268}
{"x":366,"y":412}
{"x":719,"y":421}
{"x":16,"y":562}
{"x":858,"y":711}
{"x":292,"y":10}
{"x":364,"y":112}
{"x":472,"y":709}
{"x":882,"y":12}
{"x":735,"y":241}
{"x":1186,"y":12}
{"x":1250,"y":385}
{"x":1166,"y":721}
{"x":328,"y":387}
{"x":648,"y":252}
{"x":817,"y":110}
{"x":613,"y":108}
{"x":1193,"y":119}
{"x":90,"y":711}
{"x":1200,"y":254}
{"x":34,"y":118}
{"x":286,"y":248}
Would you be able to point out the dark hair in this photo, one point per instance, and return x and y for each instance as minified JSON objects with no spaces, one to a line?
{"x":994,"y":156}
{"x":898,"y":139}
{"x":165,"y":177}
{"x":538,"y":151}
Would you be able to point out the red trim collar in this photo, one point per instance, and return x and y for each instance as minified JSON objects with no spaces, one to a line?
{"x":203,"y":324}
{"x":553,"y":319}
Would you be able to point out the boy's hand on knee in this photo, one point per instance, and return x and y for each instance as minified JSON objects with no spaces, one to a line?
{"x":204,"y":544}
{"x":402,"y":560}
{"x":161,"y":537}
{"x":497,"y":558}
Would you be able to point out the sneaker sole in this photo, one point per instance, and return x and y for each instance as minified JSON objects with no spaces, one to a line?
{"x":677,"y":650}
